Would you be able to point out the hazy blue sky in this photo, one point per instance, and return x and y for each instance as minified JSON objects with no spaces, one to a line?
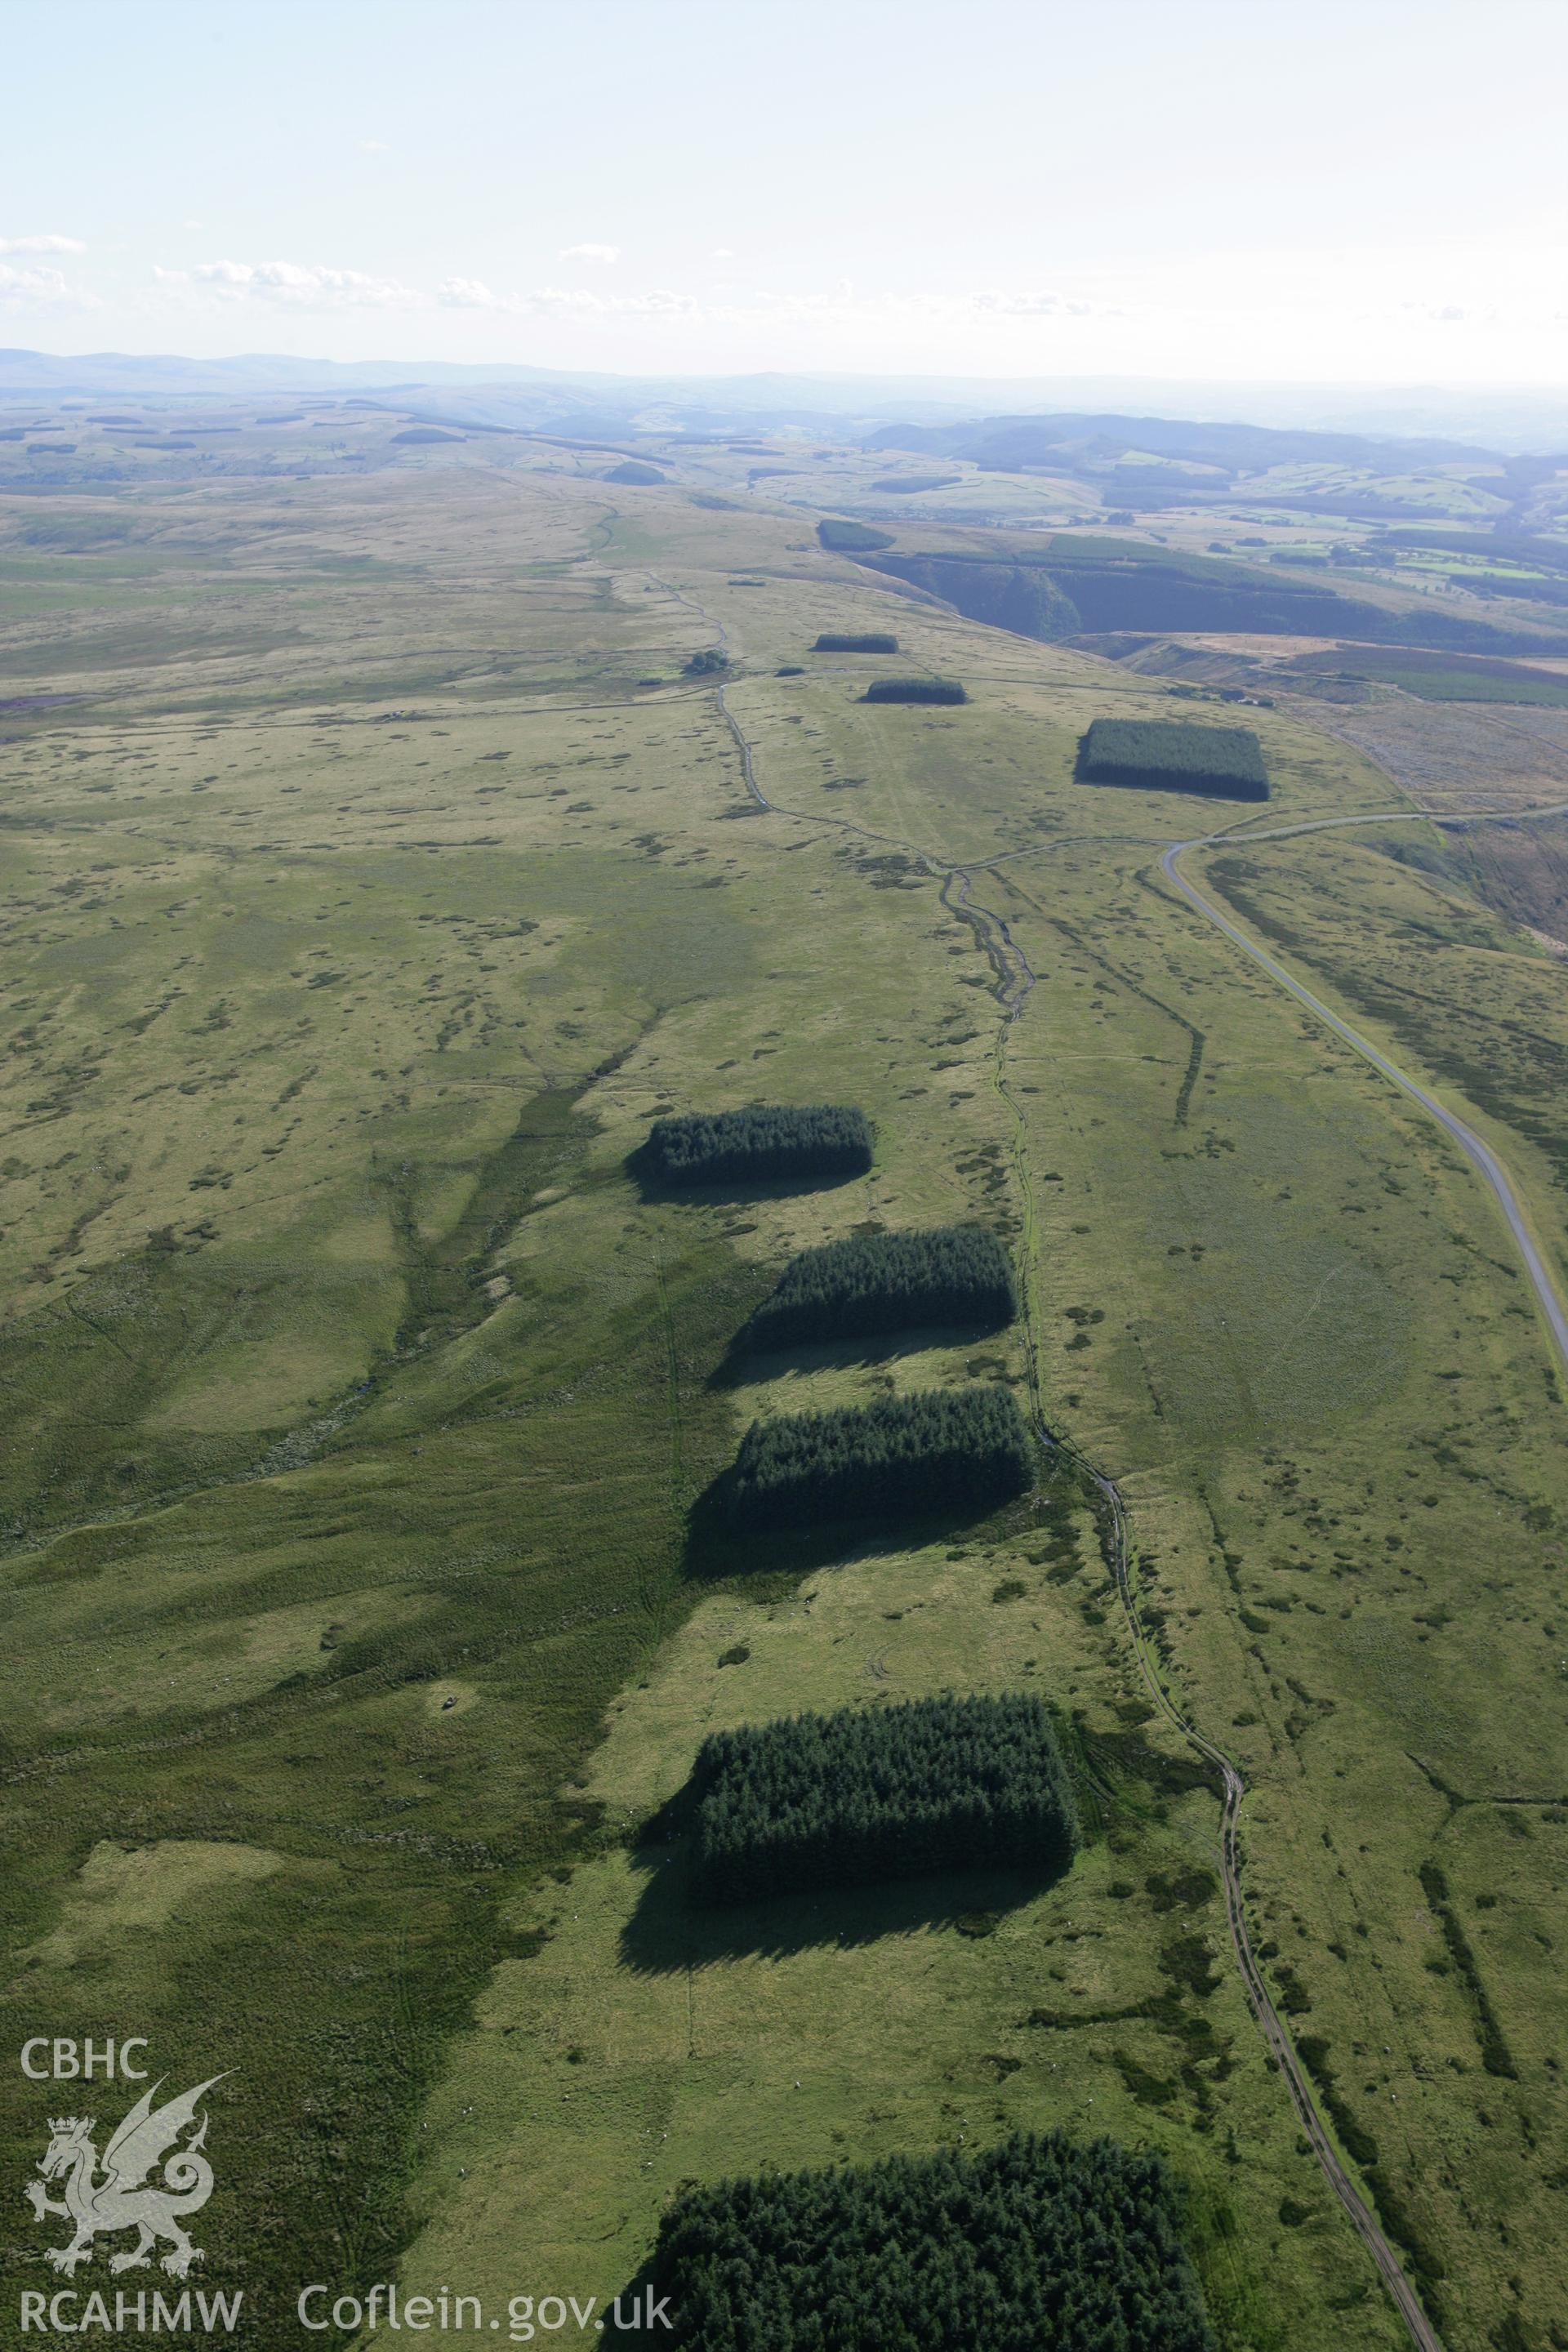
{"x":1304,"y":189}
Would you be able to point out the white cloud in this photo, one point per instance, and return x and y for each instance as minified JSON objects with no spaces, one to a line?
{"x":468,"y":294}
{"x":566,"y":302}
{"x":41,"y":244}
{"x":1004,"y":305}
{"x":578,"y":302}
{"x":723,"y":253}
{"x":604,"y":254}
{"x":31,"y":285}
{"x":291,"y":283}
{"x":374,"y":147}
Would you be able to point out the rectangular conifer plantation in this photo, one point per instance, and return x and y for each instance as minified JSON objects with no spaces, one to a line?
{"x":889,"y":1793}
{"x":1036,"y":2243}
{"x":914,"y":689}
{"x":937,"y":1450}
{"x":889,"y":1282}
{"x":845,"y":538}
{"x":875,"y":641}
{"x":751,"y":1146}
{"x":1167,"y":756}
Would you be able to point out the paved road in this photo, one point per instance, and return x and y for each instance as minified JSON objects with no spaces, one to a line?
{"x":1479,"y":1152}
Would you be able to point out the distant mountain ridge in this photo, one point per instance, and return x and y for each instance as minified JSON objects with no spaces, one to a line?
{"x":1423,"y":418}
{"x":1010,"y":443}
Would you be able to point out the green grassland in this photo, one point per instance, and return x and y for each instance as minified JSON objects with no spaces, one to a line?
{"x":359,"y":1396}
{"x":1439,"y":685}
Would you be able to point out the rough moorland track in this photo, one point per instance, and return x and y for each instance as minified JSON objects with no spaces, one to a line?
{"x":1015,"y":980}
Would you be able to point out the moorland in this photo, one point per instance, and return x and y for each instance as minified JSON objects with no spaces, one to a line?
{"x":362,"y":1394}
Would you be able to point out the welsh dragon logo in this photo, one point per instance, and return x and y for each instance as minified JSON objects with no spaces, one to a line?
{"x":104,"y":2195}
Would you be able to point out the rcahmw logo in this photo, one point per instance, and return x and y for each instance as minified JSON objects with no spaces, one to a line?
{"x":152,"y":2177}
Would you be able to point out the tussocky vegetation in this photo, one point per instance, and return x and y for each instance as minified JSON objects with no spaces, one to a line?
{"x":889,"y":1282}
{"x":1032,"y":2242}
{"x":765,"y":1143}
{"x":845,"y":1799}
{"x":936,"y":1451}
{"x":1172,"y":756}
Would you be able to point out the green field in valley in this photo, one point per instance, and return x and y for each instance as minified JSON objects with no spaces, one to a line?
{"x":367,"y":907}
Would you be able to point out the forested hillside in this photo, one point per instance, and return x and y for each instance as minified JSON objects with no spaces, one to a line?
{"x":1073,"y":589}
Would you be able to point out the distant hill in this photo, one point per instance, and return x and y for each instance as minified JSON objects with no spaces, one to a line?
{"x":1012,"y":441}
{"x":1400,"y":425}
{"x":1072,"y":587}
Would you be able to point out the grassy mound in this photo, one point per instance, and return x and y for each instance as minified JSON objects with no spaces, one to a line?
{"x":845,"y":1799}
{"x":889,"y":1282}
{"x":940,"y":1450}
{"x":1166,"y":756}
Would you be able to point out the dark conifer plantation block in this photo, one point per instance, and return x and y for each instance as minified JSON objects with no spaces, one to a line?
{"x":872,"y":642}
{"x":1035,"y":2243}
{"x":889,"y":1282}
{"x":892,"y":1792}
{"x":746,"y":1147}
{"x":842,"y":537}
{"x":938,"y":1451}
{"x":915,"y":689}
{"x":1168,"y":756}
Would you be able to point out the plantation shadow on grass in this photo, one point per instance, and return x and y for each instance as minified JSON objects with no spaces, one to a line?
{"x":654,"y":1190}
{"x":716,"y":1549}
{"x":741,"y":1363}
{"x":669,"y":1932}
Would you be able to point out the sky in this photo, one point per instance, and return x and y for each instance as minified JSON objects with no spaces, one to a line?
{"x":1349,"y":191}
